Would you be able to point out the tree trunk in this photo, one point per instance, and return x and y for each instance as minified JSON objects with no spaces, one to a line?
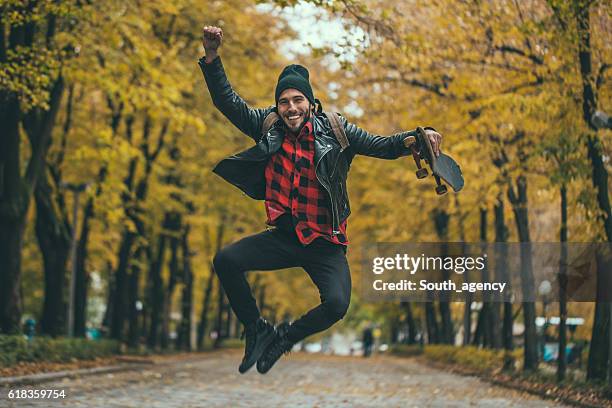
{"x":13,"y":206}
{"x":486,"y":320}
{"x":467,"y":309}
{"x":175,"y":225}
{"x":410,"y":323}
{"x":11,"y":232}
{"x":495,"y":313}
{"x":589,"y":104}
{"x":184,"y":332}
{"x":82,"y":277}
{"x":53,"y":234}
{"x":490,"y":309}
{"x":220,"y":310}
{"x":597,"y":368}
{"x":220,"y":291}
{"x":16,"y":190}
{"x":228,"y":321}
{"x":133,"y":297}
{"x":599,"y":347}
{"x":431,"y":322}
{"x":120,"y":306}
{"x":205,"y":309}
{"x":478,"y":338}
{"x":110,"y":299}
{"x":519,"y":206}
{"x":441,"y":221}
{"x":501,"y":237}
{"x":125,"y":250}
{"x":156,"y":296}
{"x":561,"y":363}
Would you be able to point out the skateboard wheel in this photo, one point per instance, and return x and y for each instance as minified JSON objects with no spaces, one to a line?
{"x":441,"y":189}
{"x":421,"y":173}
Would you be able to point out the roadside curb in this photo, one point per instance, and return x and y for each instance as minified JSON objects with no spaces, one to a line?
{"x":58,"y":375}
{"x":541,"y":394}
{"x":127,"y":363}
{"x":510,"y":385}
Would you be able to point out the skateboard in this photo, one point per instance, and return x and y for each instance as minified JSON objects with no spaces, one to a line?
{"x":443,"y":167}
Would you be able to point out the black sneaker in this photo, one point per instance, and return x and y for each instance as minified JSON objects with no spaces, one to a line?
{"x":258,"y":336}
{"x":280,"y":346}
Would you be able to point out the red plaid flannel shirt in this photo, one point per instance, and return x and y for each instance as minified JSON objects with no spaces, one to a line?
{"x":292,"y":187}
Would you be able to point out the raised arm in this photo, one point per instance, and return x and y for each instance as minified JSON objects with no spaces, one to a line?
{"x":233,"y":107}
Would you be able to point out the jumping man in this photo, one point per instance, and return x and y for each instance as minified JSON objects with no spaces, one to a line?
{"x":299,"y":167}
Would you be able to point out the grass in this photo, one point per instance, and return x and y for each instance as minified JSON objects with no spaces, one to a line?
{"x":15,"y":349}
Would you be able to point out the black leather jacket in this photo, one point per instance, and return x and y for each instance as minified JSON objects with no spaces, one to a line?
{"x":245,"y":170}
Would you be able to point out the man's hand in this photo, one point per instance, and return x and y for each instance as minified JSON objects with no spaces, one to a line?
{"x":211,"y":40}
{"x":436,"y":140}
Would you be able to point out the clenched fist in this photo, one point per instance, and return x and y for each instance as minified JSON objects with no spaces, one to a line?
{"x":211,"y":39}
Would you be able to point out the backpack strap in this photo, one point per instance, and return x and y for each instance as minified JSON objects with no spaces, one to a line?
{"x":269,"y":121}
{"x":334,"y":121}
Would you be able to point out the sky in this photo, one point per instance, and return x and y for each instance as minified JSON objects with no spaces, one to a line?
{"x":316,"y":27}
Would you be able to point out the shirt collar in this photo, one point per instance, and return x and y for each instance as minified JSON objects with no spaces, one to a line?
{"x":305,"y":131}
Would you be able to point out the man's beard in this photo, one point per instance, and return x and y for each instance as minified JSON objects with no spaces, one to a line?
{"x":298,"y":128}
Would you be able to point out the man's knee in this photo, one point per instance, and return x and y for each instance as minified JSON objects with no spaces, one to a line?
{"x":336,"y":307}
{"x":223,"y":261}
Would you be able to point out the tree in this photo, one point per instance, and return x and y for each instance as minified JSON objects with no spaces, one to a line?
{"x":32,"y":89}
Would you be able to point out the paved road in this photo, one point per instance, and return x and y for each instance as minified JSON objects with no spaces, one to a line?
{"x":298,"y":380}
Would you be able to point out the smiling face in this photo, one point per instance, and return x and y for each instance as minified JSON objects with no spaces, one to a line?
{"x":294,"y":109}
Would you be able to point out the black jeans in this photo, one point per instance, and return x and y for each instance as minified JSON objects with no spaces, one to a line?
{"x":324,"y":261}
